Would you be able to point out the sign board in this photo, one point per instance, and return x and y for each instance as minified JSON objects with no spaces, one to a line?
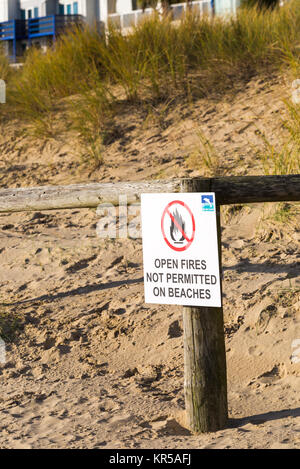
{"x":2,"y":92}
{"x":180,"y":249}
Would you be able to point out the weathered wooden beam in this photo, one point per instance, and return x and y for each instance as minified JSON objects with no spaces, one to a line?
{"x":205,"y":380}
{"x":229,"y":190}
{"x":251,"y":189}
{"x":79,"y":195}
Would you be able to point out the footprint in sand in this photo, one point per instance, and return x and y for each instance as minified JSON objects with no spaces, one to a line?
{"x":82,"y":264}
{"x":255,"y":351}
{"x":273,"y":375}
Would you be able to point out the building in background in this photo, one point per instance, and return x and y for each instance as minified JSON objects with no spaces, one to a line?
{"x":40,"y":22}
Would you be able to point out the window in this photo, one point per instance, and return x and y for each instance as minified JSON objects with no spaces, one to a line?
{"x":112,"y":6}
{"x":61,"y":9}
{"x":29,"y":14}
{"x":69,"y":9}
{"x":75,"y":8}
{"x":36,"y":12}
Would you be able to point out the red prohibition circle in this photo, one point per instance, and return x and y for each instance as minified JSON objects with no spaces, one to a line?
{"x":166,"y":211}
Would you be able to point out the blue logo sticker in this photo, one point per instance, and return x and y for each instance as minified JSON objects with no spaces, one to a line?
{"x":207,"y":203}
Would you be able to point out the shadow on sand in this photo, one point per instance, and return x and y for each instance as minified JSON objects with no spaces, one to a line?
{"x":77,"y":291}
{"x":259,"y":419}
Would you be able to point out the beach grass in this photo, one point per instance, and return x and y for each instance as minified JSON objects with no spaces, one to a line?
{"x":158,"y":61}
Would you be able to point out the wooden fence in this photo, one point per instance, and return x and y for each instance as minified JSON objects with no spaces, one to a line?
{"x":229,"y":190}
{"x":205,"y":380}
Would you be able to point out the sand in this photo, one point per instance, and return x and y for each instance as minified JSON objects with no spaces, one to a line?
{"x":96,"y":367}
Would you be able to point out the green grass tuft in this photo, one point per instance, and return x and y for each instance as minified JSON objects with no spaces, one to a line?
{"x":10,"y":324}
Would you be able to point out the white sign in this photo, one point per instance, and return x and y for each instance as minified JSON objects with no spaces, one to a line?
{"x":180,"y":249}
{"x":2,"y":92}
{"x":2,"y":352}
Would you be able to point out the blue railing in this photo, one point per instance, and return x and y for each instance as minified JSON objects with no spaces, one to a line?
{"x":40,"y":27}
{"x":7,"y":30}
{"x":51,"y":25}
{"x":12,"y":31}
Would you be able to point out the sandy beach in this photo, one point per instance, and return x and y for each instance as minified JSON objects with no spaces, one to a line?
{"x":92,"y":365}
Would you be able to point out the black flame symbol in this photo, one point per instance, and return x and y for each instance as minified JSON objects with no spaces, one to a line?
{"x":174,"y":231}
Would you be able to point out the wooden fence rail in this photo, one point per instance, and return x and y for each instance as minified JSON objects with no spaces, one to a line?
{"x":205,"y":380}
{"x":229,"y":190}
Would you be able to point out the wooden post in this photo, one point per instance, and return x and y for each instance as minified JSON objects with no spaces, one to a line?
{"x":205,"y":382}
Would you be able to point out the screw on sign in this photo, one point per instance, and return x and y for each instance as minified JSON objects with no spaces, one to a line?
{"x":178,"y":225}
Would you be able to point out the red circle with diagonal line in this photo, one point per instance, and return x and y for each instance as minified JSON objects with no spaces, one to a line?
{"x":178,"y":227}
